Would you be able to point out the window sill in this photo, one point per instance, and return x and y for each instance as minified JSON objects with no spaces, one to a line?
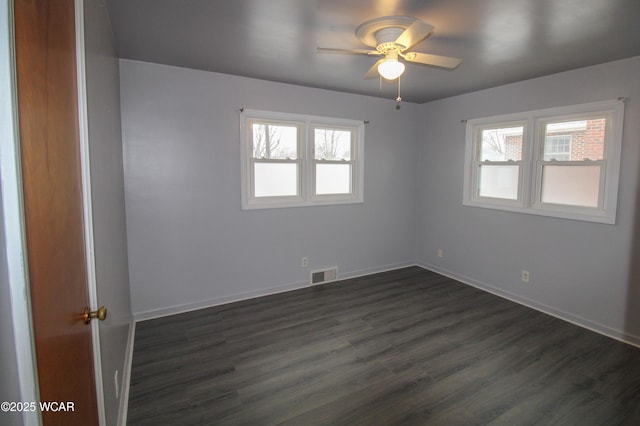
{"x":259,"y":205}
{"x":561,"y":212}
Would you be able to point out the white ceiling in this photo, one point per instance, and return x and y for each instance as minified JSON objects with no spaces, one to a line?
{"x":499,"y":41}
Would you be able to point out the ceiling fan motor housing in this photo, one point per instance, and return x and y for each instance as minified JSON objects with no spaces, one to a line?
{"x":372,"y":32}
{"x":386,"y":38}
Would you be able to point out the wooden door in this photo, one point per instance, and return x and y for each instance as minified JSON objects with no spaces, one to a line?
{"x":50,"y":145}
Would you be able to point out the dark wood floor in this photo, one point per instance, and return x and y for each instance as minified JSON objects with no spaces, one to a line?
{"x":401,"y":347}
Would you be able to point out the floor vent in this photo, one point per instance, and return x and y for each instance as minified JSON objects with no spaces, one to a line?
{"x":324,"y":276}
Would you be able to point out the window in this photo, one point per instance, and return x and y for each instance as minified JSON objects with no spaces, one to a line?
{"x":291,"y":160}
{"x":572,"y":177}
{"x":498,"y":164}
{"x":275,"y":159}
{"x":561,"y":162}
{"x":333,"y":162}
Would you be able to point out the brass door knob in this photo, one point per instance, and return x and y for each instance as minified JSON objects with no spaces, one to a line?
{"x":88,"y":315}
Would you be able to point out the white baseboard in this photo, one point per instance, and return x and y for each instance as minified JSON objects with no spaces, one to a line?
{"x":560,"y":314}
{"x":126,"y":377}
{"x":208,"y":303}
{"x":377,"y":270}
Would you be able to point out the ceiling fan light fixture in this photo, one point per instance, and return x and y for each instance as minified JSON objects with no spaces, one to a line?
{"x":390,"y":68}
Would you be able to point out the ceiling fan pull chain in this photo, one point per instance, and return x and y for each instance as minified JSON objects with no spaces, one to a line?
{"x":398,"y":99}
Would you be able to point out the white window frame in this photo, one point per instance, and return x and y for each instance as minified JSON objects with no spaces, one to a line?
{"x":476,"y":163}
{"x":297,"y":161}
{"x":306,"y":161}
{"x":321,"y":198}
{"x":529,"y":193}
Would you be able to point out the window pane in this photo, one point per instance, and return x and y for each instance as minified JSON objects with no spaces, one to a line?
{"x":331,"y":144}
{"x":273,"y":180}
{"x":571,"y":185}
{"x":557,"y":147}
{"x":575,"y":140}
{"x":333,"y":179}
{"x":501,"y":144}
{"x":498,"y":181}
{"x":275,"y":141}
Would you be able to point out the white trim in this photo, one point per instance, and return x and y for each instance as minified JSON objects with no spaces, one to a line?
{"x":601,"y":210}
{"x":375,"y":270}
{"x":473,"y":147}
{"x":85,"y":164}
{"x":533,"y":144}
{"x":354,"y":161}
{"x":123,"y":407}
{"x":579,"y":321}
{"x":215,"y":301}
{"x":236,"y":297}
{"x":306,"y":164}
{"x":13,"y":218}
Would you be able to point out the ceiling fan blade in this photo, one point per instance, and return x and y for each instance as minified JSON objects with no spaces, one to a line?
{"x":415,"y":33}
{"x":433,"y":60}
{"x":373,"y":72}
{"x":358,"y":51}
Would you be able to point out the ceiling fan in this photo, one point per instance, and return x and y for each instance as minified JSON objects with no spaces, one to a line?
{"x":392,"y":36}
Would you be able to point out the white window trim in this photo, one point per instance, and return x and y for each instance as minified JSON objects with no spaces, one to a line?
{"x":307,"y":163}
{"x":532,"y":163}
{"x":280,"y":200}
{"x":474,"y":163}
{"x":322,"y":198}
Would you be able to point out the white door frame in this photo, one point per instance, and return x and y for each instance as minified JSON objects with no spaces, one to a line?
{"x":85,"y":164}
{"x":13,"y":218}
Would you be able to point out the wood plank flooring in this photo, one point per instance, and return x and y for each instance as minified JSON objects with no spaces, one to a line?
{"x":406,"y":347}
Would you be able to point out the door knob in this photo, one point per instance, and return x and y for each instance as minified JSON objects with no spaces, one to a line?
{"x":88,"y":315}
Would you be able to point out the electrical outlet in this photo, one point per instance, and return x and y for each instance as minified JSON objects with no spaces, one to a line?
{"x":304,"y":262}
{"x":115,"y":379}
{"x":440,"y":253}
{"x":525,"y":276}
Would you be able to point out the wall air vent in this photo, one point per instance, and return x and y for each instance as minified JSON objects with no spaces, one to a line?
{"x":324,"y":276}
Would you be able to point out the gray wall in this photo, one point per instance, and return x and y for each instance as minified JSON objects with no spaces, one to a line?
{"x":190,"y":244}
{"x":582,"y":271}
{"x":9,"y":384}
{"x":107,"y":185}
